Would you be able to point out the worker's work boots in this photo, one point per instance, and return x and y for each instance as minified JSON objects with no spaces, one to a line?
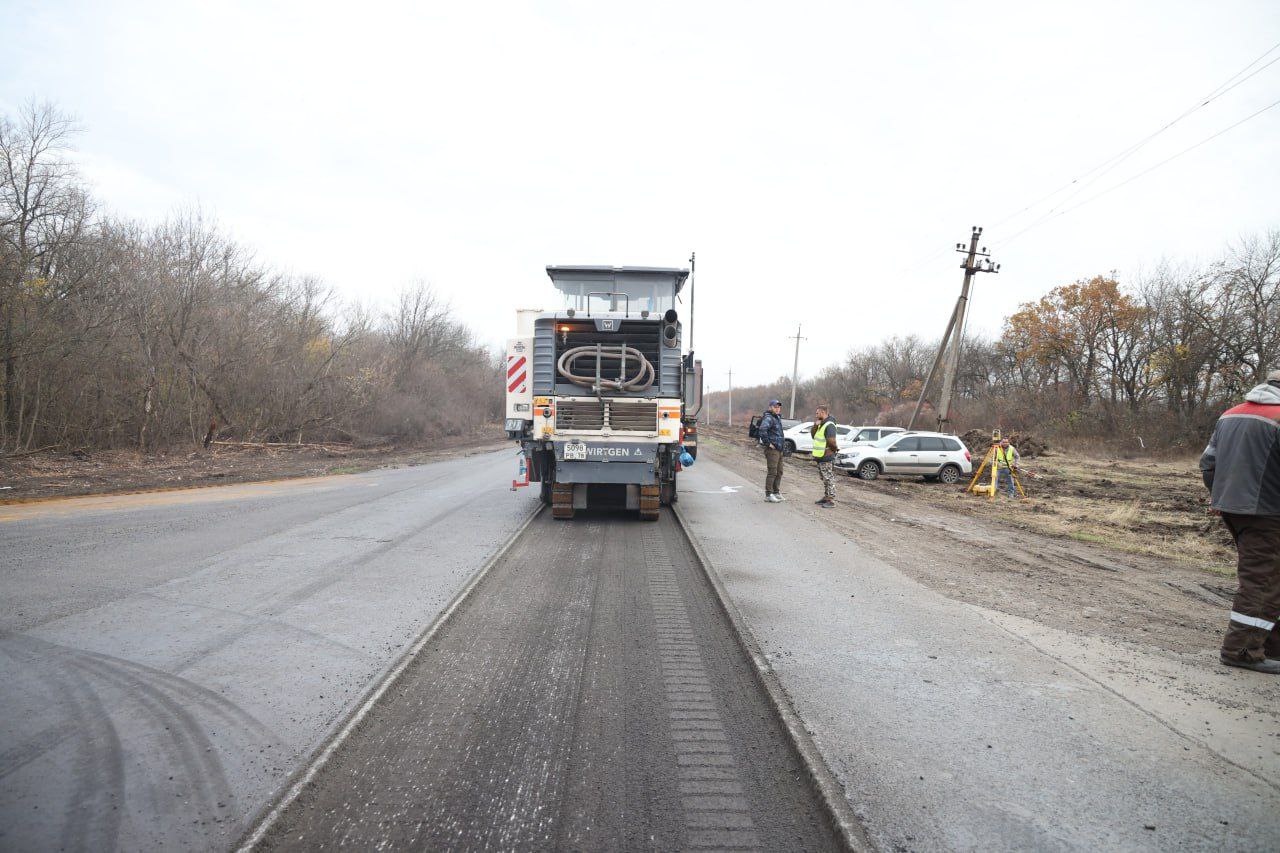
{"x":1270,"y":667}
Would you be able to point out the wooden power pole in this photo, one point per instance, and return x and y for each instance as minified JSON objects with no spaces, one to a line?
{"x":949,"y":350}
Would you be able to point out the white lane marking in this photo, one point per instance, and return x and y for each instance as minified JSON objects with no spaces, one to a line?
{"x":723,"y":490}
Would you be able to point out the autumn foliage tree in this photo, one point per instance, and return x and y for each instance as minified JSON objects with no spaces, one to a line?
{"x":1084,"y":334}
{"x":1148,"y":364}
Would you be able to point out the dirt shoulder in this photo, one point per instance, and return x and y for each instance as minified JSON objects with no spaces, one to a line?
{"x":66,"y":474}
{"x":1118,"y":550}
{"x":1110,"y":567}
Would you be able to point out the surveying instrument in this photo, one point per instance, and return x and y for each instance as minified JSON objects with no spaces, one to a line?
{"x":989,"y":461}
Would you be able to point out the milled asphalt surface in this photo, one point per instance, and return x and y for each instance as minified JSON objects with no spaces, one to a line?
{"x":169,"y":659}
{"x":588,"y":695}
{"x":949,"y":730}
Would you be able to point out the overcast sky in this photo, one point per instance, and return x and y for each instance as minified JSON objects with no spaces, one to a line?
{"x":822,"y":159}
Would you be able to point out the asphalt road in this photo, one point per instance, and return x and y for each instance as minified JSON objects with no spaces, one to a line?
{"x":588,"y":695}
{"x":168,"y":660}
{"x":957,"y":727}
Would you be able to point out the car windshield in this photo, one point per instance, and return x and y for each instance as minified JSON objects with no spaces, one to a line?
{"x":888,"y":440}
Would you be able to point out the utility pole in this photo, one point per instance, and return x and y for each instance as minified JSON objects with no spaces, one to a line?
{"x":730,"y":396}
{"x":795,"y":373}
{"x":949,"y":349}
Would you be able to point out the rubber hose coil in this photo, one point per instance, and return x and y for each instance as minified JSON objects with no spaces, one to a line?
{"x":642,"y":379}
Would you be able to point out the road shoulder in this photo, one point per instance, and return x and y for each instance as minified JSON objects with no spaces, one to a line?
{"x":954,"y":726}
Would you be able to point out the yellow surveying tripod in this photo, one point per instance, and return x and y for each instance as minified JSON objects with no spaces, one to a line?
{"x":989,"y":461}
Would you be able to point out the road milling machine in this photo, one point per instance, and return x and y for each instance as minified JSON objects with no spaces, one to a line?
{"x":600,"y":395}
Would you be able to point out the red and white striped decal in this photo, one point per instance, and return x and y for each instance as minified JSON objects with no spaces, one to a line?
{"x":517,"y":373}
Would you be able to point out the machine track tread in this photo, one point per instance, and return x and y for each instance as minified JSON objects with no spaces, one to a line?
{"x":562,"y":500}
{"x":649,"y":503}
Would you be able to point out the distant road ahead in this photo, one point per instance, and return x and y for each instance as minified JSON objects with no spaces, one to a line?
{"x":169,"y":659}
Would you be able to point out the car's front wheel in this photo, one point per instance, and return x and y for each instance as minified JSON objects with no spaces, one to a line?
{"x":788,"y":447}
{"x":950,"y":474}
{"x":869,"y":470}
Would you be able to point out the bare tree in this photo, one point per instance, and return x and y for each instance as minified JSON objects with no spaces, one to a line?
{"x":43,"y":209}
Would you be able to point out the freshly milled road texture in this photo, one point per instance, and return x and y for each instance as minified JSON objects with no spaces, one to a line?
{"x":588,"y":696}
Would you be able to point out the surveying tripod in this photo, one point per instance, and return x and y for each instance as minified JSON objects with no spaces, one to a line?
{"x":990,"y":461}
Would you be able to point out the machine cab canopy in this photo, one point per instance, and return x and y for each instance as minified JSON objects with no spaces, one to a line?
{"x":622,"y":290}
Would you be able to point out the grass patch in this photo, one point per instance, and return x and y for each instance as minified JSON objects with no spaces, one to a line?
{"x":1126,"y":515}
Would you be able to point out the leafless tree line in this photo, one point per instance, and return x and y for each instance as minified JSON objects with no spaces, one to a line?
{"x":122,"y":333}
{"x":1150,"y":363}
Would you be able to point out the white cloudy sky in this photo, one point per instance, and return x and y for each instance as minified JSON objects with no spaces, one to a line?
{"x":821,"y":158}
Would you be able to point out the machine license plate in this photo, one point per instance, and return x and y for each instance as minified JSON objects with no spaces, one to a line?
{"x":575,"y":450}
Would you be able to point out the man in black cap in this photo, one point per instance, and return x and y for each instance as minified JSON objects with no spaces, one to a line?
{"x":771,"y":440}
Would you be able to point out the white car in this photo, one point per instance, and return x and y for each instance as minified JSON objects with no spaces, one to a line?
{"x":797,"y":438}
{"x":932,"y":455}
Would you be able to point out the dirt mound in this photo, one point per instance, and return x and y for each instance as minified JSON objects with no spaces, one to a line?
{"x":978,"y":441}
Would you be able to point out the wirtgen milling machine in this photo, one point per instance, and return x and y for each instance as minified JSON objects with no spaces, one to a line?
{"x":599,"y":395}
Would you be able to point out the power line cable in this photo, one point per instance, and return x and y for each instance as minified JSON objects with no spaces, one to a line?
{"x":1132,"y":178}
{"x":1116,"y":159}
{"x":1133,"y":150}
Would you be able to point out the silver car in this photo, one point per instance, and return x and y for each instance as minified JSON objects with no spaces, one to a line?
{"x":932,"y":455}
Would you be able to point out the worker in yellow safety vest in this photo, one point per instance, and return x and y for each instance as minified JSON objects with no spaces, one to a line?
{"x":824,"y":453}
{"x":1006,"y":464}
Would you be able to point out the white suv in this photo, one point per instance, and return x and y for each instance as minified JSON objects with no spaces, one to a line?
{"x":932,"y":455}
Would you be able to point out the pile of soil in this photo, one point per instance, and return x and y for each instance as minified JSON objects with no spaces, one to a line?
{"x":978,"y":441}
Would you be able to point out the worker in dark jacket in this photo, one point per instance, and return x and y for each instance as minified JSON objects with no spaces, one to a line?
{"x":771,"y":440}
{"x":824,"y":453}
{"x":1241,"y":467}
